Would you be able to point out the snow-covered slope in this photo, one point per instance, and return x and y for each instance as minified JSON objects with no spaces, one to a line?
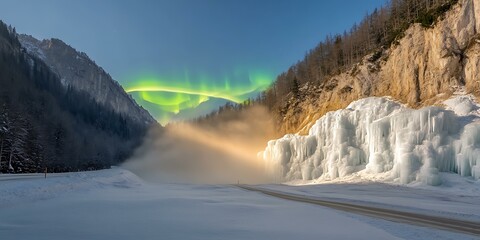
{"x":78,"y":71}
{"x":383,"y":140}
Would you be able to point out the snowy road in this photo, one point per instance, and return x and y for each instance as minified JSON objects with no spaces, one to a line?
{"x":116,"y":204}
{"x":388,"y":214}
{"x":10,"y":177}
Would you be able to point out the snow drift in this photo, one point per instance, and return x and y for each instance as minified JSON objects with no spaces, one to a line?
{"x":377,"y":135}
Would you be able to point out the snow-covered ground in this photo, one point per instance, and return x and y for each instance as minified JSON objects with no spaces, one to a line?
{"x":116,"y":204}
{"x":457,"y":198}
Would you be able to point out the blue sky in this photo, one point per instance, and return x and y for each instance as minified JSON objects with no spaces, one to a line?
{"x":203,"y":37}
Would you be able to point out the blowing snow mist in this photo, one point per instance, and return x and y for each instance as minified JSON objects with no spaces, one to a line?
{"x":222,"y":150}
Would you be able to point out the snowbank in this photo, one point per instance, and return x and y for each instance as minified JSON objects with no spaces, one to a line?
{"x":380,"y":137}
{"x":19,"y":188}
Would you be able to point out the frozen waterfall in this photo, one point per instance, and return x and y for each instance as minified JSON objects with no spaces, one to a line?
{"x":377,"y":135}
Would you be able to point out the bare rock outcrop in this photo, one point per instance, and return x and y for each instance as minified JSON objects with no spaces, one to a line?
{"x":426,"y":65}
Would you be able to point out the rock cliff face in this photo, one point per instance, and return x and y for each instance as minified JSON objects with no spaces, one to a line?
{"x":78,"y":71}
{"x":423,"y":67}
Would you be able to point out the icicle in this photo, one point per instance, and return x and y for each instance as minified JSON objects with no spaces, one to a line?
{"x":410,"y":144}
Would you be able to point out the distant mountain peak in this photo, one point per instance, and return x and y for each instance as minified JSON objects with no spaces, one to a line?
{"x":78,"y":71}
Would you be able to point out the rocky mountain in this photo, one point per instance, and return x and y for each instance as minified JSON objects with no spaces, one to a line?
{"x":78,"y":71}
{"x":47,"y":123}
{"x":422,"y":68}
{"x":407,"y":113}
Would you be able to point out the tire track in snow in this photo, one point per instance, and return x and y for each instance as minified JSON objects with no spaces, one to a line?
{"x":449,"y":224}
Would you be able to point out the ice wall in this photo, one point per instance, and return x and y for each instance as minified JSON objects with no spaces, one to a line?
{"x":377,"y":135}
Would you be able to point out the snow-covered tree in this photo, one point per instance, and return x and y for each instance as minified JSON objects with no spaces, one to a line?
{"x":16,"y":140}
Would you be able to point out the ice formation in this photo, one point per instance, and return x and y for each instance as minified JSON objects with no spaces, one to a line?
{"x":377,"y":135}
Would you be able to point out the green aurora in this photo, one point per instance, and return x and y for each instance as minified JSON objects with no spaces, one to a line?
{"x":166,"y":97}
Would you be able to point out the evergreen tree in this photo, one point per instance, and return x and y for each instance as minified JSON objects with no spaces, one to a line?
{"x":295,"y":87}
